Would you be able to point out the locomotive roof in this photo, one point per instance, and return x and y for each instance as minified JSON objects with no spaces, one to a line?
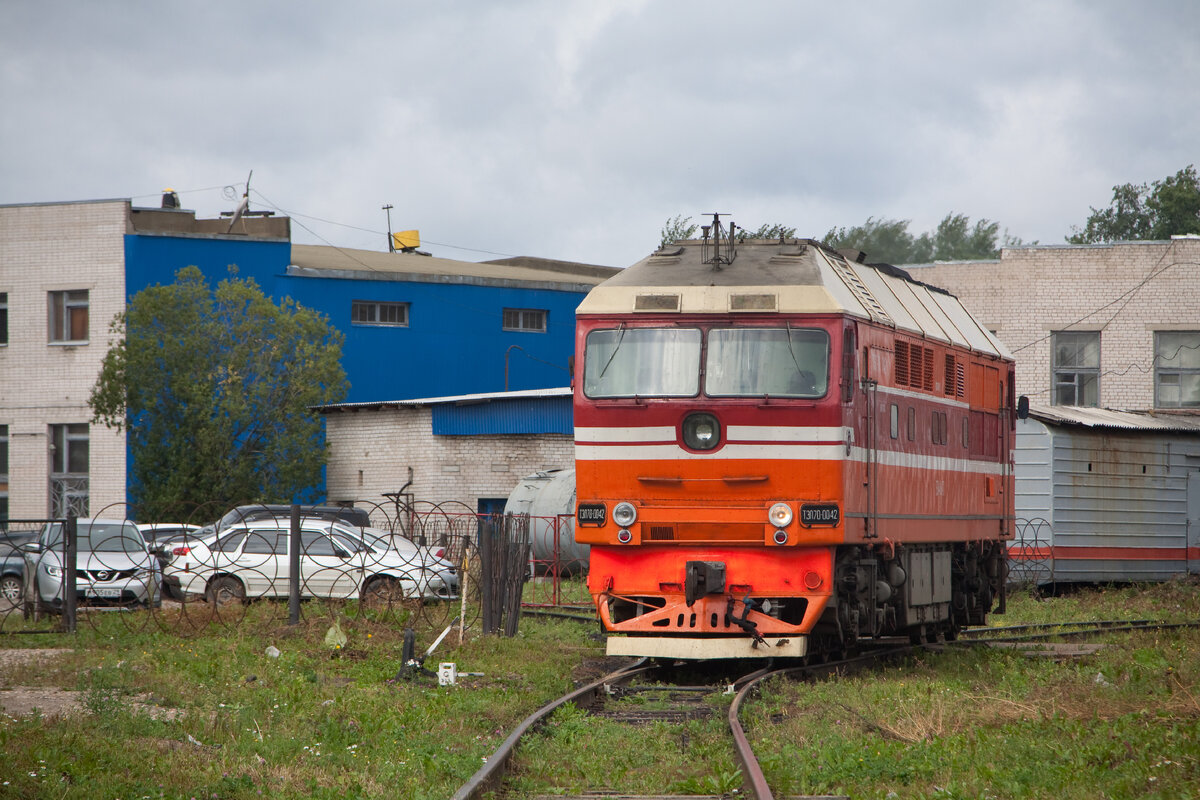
{"x":797,"y":276}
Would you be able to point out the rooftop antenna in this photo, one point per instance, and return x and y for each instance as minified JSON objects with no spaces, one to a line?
{"x":243,"y":206}
{"x":391,"y":244}
{"x":718,"y":232}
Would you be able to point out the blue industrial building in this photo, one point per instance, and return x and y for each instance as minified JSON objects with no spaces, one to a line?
{"x":414,"y":325}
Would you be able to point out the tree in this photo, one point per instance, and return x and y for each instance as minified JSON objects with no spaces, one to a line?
{"x":886,"y":240}
{"x":776,"y":231}
{"x":1138,"y":212}
{"x":214,"y":388}
{"x":677,"y":228}
{"x":883,"y":240}
{"x":954,"y":239}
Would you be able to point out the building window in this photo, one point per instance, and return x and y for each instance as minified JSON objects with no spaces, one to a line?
{"x":1177,"y":369}
{"x":3,"y":318}
{"x":366,"y":312}
{"x":69,"y":470}
{"x":69,"y":316}
{"x":1076,"y":368}
{"x":525,"y":319}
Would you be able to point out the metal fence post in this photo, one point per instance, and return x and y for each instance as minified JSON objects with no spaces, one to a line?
{"x":487,"y":580}
{"x":70,"y":549}
{"x":294,"y":567}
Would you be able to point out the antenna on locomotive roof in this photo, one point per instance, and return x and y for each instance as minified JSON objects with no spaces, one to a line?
{"x":718,"y":231}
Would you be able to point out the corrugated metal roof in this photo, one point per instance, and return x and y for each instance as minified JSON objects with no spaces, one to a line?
{"x":529,"y":415}
{"x":461,"y":399}
{"x":323,"y":260}
{"x":1119,"y":420}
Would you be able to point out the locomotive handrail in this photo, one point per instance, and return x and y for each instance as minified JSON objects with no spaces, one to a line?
{"x":724,"y":479}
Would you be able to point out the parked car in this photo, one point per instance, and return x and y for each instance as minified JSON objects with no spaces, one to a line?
{"x":112,"y":562}
{"x":336,"y":561}
{"x":157,"y":534}
{"x":356,"y":517}
{"x":12,"y":565}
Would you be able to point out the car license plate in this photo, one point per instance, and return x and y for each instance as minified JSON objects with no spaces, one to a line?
{"x":107,"y":592}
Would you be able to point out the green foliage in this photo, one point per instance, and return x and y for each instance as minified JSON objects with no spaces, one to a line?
{"x":889,"y":241}
{"x":885,"y":240}
{"x":776,"y":231}
{"x":214,"y":389}
{"x":676,"y":229}
{"x":1160,"y":210}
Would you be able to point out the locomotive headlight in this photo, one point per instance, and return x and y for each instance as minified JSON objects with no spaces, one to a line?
{"x":624,"y":514}
{"x":780,"y":515}
{"x":701,"y":432}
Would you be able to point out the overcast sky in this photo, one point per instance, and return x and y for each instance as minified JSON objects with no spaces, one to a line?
{"x":573,"y":130}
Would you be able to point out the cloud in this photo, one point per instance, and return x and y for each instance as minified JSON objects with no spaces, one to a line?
{"x":574,"y":130}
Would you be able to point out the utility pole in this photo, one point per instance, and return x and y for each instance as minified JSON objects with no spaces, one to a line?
{"x":391,"y":244}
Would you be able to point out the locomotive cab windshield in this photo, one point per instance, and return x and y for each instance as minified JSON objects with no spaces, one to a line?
{"x":738,"y":362}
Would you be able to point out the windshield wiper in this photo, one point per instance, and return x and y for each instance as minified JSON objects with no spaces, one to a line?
{"x":616,"y":347}
{"x":792,"y":352}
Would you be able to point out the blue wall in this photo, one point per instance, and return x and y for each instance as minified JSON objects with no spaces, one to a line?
{"x":453,"y":343}
{"x":156,"y":259}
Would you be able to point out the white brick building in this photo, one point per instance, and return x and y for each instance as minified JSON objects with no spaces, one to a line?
{"x":62,"y":278}
{"x":64,"y":274}
{"x":1114,"y":326}
{"x":377,"y":448}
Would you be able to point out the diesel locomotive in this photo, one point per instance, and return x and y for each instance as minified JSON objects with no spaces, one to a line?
{"x":781,"y":450}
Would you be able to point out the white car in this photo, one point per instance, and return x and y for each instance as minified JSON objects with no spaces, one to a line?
{"x":336,"y":561}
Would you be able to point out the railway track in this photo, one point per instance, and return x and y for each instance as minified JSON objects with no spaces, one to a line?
{"x":1065,"y":630}
{"x":682,"y":700}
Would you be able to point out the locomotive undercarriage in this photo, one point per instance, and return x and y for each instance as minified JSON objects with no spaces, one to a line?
{"x":925,"y":592}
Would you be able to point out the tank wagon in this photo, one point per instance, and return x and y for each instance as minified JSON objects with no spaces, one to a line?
{"x":780,"y":449}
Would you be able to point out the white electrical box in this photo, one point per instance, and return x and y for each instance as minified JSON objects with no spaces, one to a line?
{"x":447,"y":673}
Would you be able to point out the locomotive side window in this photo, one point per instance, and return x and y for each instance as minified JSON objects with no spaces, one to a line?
{"x":755,"y":362}
{"x":642,"y":362}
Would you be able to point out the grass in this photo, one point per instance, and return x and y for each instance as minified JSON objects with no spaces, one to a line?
{"x":213,"y":716}
{"x":976,"y":723}
{"x":202,"y":711}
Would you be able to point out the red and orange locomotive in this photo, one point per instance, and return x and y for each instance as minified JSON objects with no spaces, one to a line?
{"x":780,"y":449}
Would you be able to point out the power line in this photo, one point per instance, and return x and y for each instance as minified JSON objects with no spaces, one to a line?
{"x":1127,"y":296}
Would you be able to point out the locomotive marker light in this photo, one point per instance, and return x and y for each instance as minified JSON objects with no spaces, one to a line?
{"x":624,"y":536}
{"x":780,"y":515}
{"x":624,"y":514}
{"x":701,"y":432}
{"x":781,"y":536}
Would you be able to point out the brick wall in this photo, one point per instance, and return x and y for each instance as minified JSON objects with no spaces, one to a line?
{"x":370,"y":452}
{"x":1126,"y":291}
{"x":45,"y":248}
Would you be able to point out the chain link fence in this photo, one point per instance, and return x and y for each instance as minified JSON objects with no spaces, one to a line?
{"x":1030,"y":553}
{"x":400,"y":564}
